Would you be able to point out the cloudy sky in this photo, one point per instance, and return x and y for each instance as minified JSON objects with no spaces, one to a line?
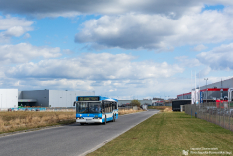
{"x":121,"y":49}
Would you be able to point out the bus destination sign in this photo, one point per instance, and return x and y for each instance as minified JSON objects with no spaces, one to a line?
{"x":88,"y":98}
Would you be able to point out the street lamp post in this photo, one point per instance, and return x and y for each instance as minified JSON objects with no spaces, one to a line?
{"x":206,"y":88}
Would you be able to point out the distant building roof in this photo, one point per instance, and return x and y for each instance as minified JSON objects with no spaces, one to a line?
{"x":157,"y":99}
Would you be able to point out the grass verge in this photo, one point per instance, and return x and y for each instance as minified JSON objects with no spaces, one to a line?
{"x":168,"y":134}
{"x":17,"y":121}
{"x":130,"y":111}
{"x":162,"y":108}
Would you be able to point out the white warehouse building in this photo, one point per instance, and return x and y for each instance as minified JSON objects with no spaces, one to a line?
{"x":8,"y":98}
{"x":50,"y":98}
{"x":12,"y":98}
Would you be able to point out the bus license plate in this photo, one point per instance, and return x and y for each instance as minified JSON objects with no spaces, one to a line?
{"x":88,"y":119}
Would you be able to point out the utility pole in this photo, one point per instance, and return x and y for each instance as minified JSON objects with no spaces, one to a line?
{"x":206,"y":88}
{"x":195,"y":89}
{"x":200,"y":93}
{"x":221,"y":90}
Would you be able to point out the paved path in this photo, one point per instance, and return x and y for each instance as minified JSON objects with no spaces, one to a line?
{"x":68,"y":140}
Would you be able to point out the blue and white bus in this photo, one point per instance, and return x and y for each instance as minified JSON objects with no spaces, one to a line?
{"x":95,"y":109}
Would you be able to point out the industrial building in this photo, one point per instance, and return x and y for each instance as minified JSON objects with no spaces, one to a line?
{"x":212,"y":91}
{"x":143,"y":102}
{"x":12,"y":98}
{"x":8,"y":98}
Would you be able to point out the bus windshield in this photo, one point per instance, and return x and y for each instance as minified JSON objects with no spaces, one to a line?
{"x":88,"y":107}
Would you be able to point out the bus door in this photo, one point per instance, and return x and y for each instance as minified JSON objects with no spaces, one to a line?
{"x":103,"y":106}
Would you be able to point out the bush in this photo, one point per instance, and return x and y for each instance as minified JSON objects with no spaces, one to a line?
{"x":135,"y":103}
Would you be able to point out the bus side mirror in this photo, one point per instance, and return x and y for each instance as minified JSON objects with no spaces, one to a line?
{"x":74,"y":103}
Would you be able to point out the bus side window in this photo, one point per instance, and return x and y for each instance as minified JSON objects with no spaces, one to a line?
{"x":114,"y":106}
{"x":109,"y":108}
{"x":106,"y":108}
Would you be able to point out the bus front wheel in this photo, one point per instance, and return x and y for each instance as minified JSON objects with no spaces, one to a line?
{"x":105,"y":121}
{"x":82,"y":123}
{"x":113,"y":118}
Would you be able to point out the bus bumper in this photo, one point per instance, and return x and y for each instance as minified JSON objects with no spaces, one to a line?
{"x":89,"y":120}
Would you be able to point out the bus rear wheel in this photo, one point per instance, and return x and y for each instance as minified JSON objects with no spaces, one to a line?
{"x":81,"y":123}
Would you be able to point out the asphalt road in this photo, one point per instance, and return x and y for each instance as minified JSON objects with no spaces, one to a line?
{"x":69,"y":140}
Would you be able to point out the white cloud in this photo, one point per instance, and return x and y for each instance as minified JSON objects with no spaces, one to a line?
{"x":38,"y":84}
{"x":13,"y":26}
{"x":125,"y":88}
{"x":27,"y":35}
{"x":15,"y":31}
{"x":105,"y":73}
{"x":220,"y":58}
{"x":23,"y":52}
{"x":84,"y":85}
{"x":127,"y":31}
{"x":204,"y":72}
{"x":10,"y":22}
{"x":199,"y":47}
{"x":67,"y":51}
{"x":135,"y":31}
{"x":112,"y":90}
{"x":92,"y":66}
{"x":187,"y":62}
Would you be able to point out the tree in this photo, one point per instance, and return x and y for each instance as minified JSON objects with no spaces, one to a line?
{"x":135,"y":103}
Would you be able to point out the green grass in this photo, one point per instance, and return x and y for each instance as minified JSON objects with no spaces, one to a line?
{"x":168,"y":134}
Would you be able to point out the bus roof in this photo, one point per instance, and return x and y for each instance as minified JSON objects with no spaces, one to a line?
{"x":100,"y":98}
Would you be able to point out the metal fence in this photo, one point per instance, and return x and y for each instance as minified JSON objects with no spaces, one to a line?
{"x":219,"y":113}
